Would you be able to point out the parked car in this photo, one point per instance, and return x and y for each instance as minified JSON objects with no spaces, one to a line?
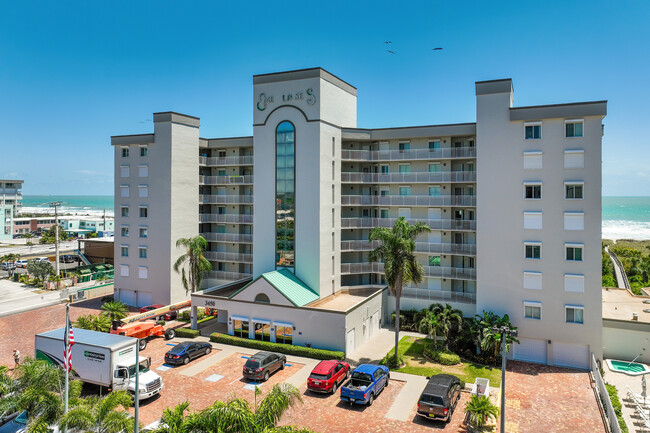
{"x":172,"y":315}
{"x":183,"y":353}
{"x":42,"y":259}
{"x":366,"y":382}
{"x":21,"y":263}
{"x":67,"y":258}
{"x":7,"y":266}
{"x":328,"y":375}
{"x":439,"y":398}
{"x":263,"y":364}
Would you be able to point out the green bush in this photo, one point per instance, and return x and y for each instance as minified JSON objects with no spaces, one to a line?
{"x":187,"y":333}
{"x":185,"y":315}
{"x":392,"y":363}
{"x":160,"y":322}
{"x":609,"y":281}
{"x":441,"y":356}
{"x":307,"y":352}
{"x":618,"y":407}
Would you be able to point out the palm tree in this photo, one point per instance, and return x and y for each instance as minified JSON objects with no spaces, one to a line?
{"x":490,"y":341}
{"x":448,"y":317}
{"x":92,"y":322}
{"x":173,"y":420}
{"x":100,"y":414}
{"x":480,"y":409}
{"x":430,"y":325}
{"x":115,"y":310}
{"x":195,"y":260}
{"x":400,"y":265}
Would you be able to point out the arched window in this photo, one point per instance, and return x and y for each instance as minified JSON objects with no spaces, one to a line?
{"x":285,"y":195}
{"x":261,"y":298}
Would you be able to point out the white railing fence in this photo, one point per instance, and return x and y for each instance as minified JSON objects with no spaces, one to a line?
{"x":604,"y":397}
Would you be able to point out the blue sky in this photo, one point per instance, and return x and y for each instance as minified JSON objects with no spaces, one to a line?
{"x":74,"y":73}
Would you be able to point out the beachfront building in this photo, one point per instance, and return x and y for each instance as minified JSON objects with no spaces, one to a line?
{"x":11,"y":197}
{"x":81,"y":226}
{"x":513,"y":201}
{"x":23,"y":225}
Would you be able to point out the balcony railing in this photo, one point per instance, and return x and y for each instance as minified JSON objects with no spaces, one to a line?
{"x":226,"y":180}
{"x":420,"y":247}
{"x":228,"y":237}
{"x":226,"y":218}
{"x":225,"y":199}
{"x":229,"y":276}
{"x":228,"y":257}
{"x":437,"y":224}
{"x":429,"y":271}
{"x":228,"y":160}
{"x":415,"y":177}
{"x":411,"y":154}
{"x":439,"y":295}
{"x":408,"y":200}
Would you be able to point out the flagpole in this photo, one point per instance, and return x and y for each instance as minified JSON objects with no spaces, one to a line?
{"x":66,"y":362}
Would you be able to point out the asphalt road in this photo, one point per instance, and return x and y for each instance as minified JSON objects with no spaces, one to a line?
{"x":38,"y":250}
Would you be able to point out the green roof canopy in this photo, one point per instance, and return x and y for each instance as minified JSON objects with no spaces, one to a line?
{"x":285,"y":282}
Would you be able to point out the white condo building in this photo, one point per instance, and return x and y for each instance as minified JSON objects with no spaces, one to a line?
{"x":11,"y":198}
{"x":513,"y":202}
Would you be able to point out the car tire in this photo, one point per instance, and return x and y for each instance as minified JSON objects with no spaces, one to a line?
{"x":347,"y":374}
{"x":387,"y":382}
{"x":334,"y":388}
{"x":142,"y":344}
{"x":371,"y":399}
{"x":282,"y":366}
{"x":208,"y":350}
{"x":266,"y":376}
{"x":186,"y":360}
{"x":170,"y":334}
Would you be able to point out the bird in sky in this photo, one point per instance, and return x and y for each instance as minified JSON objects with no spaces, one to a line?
{"x":388,"y":42}
{"x":436,"y":49}
{"x":392,"y":52}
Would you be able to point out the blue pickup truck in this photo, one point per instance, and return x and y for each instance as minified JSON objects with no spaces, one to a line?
{"x":366,"y":382}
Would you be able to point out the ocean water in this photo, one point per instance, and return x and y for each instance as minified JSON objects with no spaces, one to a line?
{"x":623,"y":217}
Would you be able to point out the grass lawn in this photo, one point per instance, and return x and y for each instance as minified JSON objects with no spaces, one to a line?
{"x":411,"y":349}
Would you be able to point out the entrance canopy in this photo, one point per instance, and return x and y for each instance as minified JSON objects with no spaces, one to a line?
{"x":280,"y":287}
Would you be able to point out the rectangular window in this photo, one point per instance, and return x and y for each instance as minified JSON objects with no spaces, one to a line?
{"x":143,"y":212}
{"x":573,"y":252}
{"x":124,"y":171}
{"x":573,"y":128}
{"x":384,"y":169}
{"x":434,"y":260}
{"x":533,"y":160}
{"x":533,"y":250}
{"x":383,"y":213}
{"x":144,"y":150}
{"x":142,"y":272}
{"x":533,"y":220}
{"x":142,"y":252}
{"x":404,"y":190}
{"x":434,"y":191}
{"x":124,"y":270}
{"x":124,"y":191}
{"x":124,"y":211}
{"x":574,"y":221}
{"x":532,"y":280}
{"x":533,"y":191}
{"x":143,"y":232}
{"x":384,"y":192}
{"x":533,"y":131}
{"x":403,"y":147}
{"x":124,"y":250}
{"x":574,"y":313}
{"x":125,"y":152}
{"x":125,"y":232}
{"x":532,"y":310}
{"x":143,"y":191}
{"x":405,"y":168}
{"x":573,"y":191}
{"x":434,"y":145}
{"x":143,"y":170}
{"x":434,"y":168}
{"x":574,"y":158}
{"x":574,"y":283}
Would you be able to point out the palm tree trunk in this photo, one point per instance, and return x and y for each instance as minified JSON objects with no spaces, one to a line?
{"x":398,"y":295}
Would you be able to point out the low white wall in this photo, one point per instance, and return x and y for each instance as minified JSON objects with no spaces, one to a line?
{"x":625,"y":340}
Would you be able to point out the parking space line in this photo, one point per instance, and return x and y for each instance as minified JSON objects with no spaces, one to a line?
{"x":239,"y":378}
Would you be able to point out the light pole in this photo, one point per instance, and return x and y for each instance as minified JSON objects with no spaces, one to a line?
{"x":55,"y":205}
{"x":504,"y":331}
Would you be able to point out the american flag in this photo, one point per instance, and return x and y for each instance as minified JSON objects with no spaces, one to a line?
{"x":69,"y":342}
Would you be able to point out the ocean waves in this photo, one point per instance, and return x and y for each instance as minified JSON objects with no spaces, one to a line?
{"x":622,"y":229}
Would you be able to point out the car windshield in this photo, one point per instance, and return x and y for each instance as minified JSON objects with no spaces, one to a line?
{"x":251,"y":363}
{"x":144,"y":367}
{"x":362,"y":376}
{"x":431,"y":399}
{"x":318,"y":376}
{"x":22,"y":418}
{"x":178,"y":349}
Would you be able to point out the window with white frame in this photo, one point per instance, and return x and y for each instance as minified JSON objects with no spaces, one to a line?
{"x":124,"y":171}
{"x":434,"y":191}
{"x":143,"y":232}
{"x":533,"y":190}
{"x":384,"y":190}
{"x":533,"y":250}
{"x":144,"y":150}
{"x":405,"y":168}
{"x":144,"y":211}
{"x":383,"y":213}
{"x":573,"y":128}
{"x":434,"y":145}
{"x":124,"y":211}
{"x":573,"y":190}
{"x":404,"y":146}
{"x":532,"y":310}
{"x":124,"y":270}
{"x":533,"y":220}
{"x":142,"y":272}
{"x":384,"y":169}
{"x":533,"y":130}
{"x":434,"y":167}
{"x":533,"y":160}
{"x":124,"y":250}
{"x":574,"y":313}
{"x":532,"y":280}
{"x":574,"y":158}
{"x":574,"y":283}
{"x":142,"y":252}
{"x":143,"y":170}
{"x":124,"y":191}
{"x":125,"y":231}
{"x":404,"y":190}
{"x":573,"y":252}
{"x":574,"y":221}
{"x":143,"y":191}
{"x":125,"y":152}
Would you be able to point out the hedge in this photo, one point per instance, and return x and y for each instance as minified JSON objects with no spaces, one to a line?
{"x":618,"y":407}
{"x":390,"y":362}
{"x":307,"y":352}
{"x":441,"y":356}
{"x":187,"y":332}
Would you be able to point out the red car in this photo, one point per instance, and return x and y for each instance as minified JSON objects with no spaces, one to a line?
{"x":172,"y":315}
{"x":328,"y":375}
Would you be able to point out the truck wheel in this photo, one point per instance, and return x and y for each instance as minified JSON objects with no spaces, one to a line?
{"x":334,"y":388}
{"x":371,"y":399}
{"x":169,"y":334}
{"x":266,"y":376}
{"x":142,"y":344}
{"x":186,"y":360}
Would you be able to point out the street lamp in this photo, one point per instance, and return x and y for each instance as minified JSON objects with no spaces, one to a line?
{"x":504,"y":331}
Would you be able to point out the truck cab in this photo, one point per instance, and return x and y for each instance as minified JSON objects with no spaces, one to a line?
{"x":149,"y":382}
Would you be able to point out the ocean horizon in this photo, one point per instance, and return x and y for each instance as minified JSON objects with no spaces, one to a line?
{"x":624,"y":217}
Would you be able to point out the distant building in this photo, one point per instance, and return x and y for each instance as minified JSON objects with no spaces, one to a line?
{"x":24,"y":225}
{"x":11,"y":197}
{"x":81,"y":226}
{"x":98,"y":250}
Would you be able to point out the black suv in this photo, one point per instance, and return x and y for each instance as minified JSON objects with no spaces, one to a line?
{"x":439,"y":398}
{"x":263,"y":364}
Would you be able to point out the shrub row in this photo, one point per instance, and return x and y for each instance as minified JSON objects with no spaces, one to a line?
{"x":307,"y":352}
{"x":441,"y":356}
{"x":187,"y":332}
{"x":618,"y":407}
{"x":392,"y":363}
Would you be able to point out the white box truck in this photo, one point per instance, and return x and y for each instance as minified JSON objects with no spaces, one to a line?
{"x":100,"y":358}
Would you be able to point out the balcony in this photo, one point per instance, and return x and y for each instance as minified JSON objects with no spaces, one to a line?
{"x":225,"y":199}
{"x":228,"y":237}
{"x":226,"y":218}
{"x":437,"y":224}
{"x":420,"y":247}
{"x":220,"y":256}
{"x":405,"y":155}
{"x":226,"y":180}
{"x":229,"y":276}
{"x":408,"y":200}
{"x":227,"y":161}
{"x":439,"y":295}
{"x":429,"y":271}
{"x":415,"y":177}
